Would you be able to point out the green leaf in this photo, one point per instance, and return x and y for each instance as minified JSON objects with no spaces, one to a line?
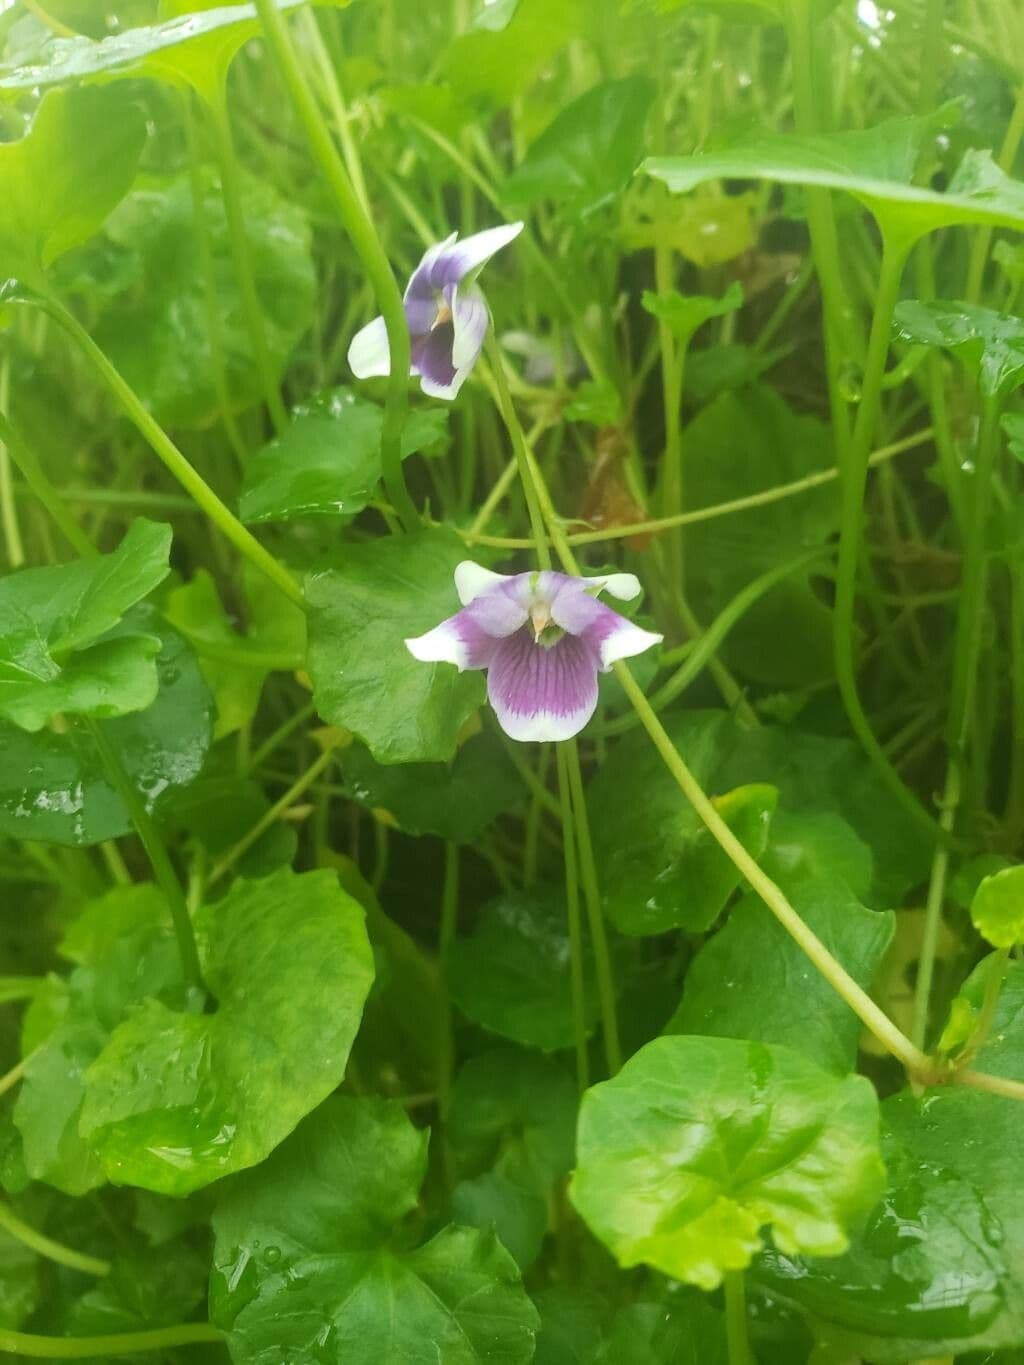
{"x":311,"y":1259}
{"x":125,"y":952}
{"x":364,"y":678}
{"x":939,"y":1267}
{"x":742,"y":444}
{"x":685,"y":314}
{"x":496,"y":66}
{"x":875,"y":165}
{"x":819,"y":775}
{"x":21,"y":1284}
{"x":1002,"y":1053}
{"x":456,"y":802}
{"x":998,"y":908}
{"x":683,"y":1329}
{"x":1013,"y":426}
{"x":54,"y":786}
{"x":701,"y":1143}
{"x":327,"y":463}
{"x":511,"y":975}
{"x":147,"y":1288}
{"x":752,"y":981}
{"x":597,"y":401}
{"x":59,"y":181}
{"x":157,"y":331}
{"x":58,"y":652}
{"x":658,"y":868}
{"x":178,"y":1100}
{"x":990,"y":344}
{"x":589,"y":152}
{"x":190,"y":49}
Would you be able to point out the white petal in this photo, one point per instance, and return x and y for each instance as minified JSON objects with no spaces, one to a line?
{"x":442,"y":645}
{"x":471,"y":319}
{"x":369,"y":353}
{"x":446,"y":391}
{"x":626,"y":641}
{"x":624,"y":586}
{"x":473,"y":579}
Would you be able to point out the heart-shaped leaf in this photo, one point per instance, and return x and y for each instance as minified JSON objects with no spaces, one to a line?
{"x":311,"y":1258}
{"x":699,"y":1144}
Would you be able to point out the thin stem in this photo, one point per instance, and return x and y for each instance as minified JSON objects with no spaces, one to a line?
{"x":736,"y":1318}
{"x":699,"y":514}
{"x":995,"y":1085}
{"x":121,"y":1344}
{"x":368,"y":248}
{"x":854,"y":484}
{"x":859,"y":1001}
{"x":572,"y":903}
{"x":994,"y":981}
{"x":238,"y":238}
{"x":595,"y":914}
{"x":228,"y":524}
{"x":274,"y":814}
{"x":47,"y":1247}
{"x":287,"y":727}
{"x":446,"y":937}
{"x":522,"y":450}
{"x":159,"y":858}
{"x":8,"y":507}
{"x":28,"y":467}
{"x":11,"y":1078}
{"x":933,"y":907}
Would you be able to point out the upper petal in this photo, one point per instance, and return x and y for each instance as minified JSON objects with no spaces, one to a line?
{"x":542,"y":693}
{"x":456,"y":260}
{"x":420,"y":293}
{"x":369,"y":353}
{"x":472,"y":579}
{"x":624,"y":586}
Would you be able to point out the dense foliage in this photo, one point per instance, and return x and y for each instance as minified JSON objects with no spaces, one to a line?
{"x":358,"y":1007}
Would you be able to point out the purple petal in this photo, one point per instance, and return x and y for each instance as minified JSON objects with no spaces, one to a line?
{"x":454,"y":261}
{"x":421,"y":294}
{"x":369,"y":353}
{"x":432,"y":361}
{"x":609,"y":635}
{"x":460,"y":640}
{"x":542,"y":692}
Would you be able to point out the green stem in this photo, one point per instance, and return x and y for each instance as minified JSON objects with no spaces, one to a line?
{"x":851,"y":528}
{"x":522,"y":450}
{"x":158,"y":856}
{"x":834,"y":973}
{"x":47,"y":1247}
{"x":28,"y":467}
{"x":994,"y":981}
{"x":967,"y":649}
{"x":572,"y":903}
{"x":595,"y":914}
{"x":8,"y":507}
{"x":122,"y":1344}
{"x":368,"y":248}
{"x":736,"y":1318}
{"x":193,"y":483}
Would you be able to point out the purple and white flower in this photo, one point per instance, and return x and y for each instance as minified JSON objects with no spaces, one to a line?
{"x":542,"y":637}
{"x":446,"y":312}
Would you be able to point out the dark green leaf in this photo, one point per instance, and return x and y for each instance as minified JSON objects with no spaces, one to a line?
{"x":59,"y":182}
{"x":21,"y":1283}
{"x":990,"y":344}
{"x":683,"y":1329}
{"x":151,"y":1287}
{"x":658,"y":868}
{"x":60,"y":647}
{"x":327,"y":463}
{"x":496,"y":66}
{"x":752,"y":981}
{"x":364,"y":678}
{"x":455,"y":801}
{"x":700,"y":1143}
{"x":178,"y":1100}
{"x":587,"y":155}
{"x":310,"y":1259}
{"x":54,"y":786}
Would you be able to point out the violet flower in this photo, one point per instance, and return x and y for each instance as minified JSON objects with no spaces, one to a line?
{"x":446,"y":312}
{"x":542,"y":637}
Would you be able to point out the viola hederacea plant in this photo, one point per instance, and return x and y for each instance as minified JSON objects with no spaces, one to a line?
{"x":512,"y":812}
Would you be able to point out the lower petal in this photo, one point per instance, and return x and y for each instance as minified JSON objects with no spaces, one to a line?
{"x":432,"y":361}
{"x":542,"y":693}
{"x":369,"y":353}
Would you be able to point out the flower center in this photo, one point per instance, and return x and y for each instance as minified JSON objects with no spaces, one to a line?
{"x":545,"y":632}
{"x":444,"y":314}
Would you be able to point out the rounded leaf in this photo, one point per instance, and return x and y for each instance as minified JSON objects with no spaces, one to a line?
{"x":998,"y":907}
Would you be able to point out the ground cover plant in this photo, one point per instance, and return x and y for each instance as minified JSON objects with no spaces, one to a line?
{"x":512,"y":682}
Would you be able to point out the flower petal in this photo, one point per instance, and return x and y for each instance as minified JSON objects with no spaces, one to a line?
{"x":542,"y":693}
{"x":624,"y":586}
{"x":369,"y":353}
{"x":471,"y":318}
{"x":421,"y":294}
{"x":472,"y":579}
{"x":609,"y":635}
{"x":459,"y":640}
{"x":456,"y":260}
{"x":432,"y":361}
